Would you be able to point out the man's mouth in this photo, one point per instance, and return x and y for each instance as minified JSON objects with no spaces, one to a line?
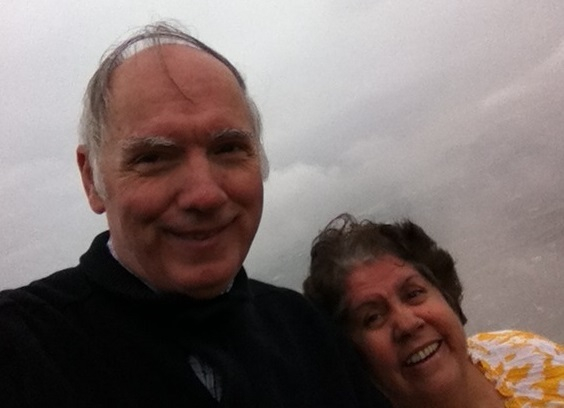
{"x":199,"y":235}
{"x":202,"y":235}
{"x":423,"y":354}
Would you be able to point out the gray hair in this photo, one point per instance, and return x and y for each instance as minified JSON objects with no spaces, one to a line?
{"x":93,"y":121}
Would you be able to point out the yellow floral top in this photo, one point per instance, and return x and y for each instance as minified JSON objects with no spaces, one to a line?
{"x":527,"y":369}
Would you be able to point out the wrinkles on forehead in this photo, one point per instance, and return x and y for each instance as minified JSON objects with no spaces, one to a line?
{"x":175,"y":70}
{"x":138,"y":141}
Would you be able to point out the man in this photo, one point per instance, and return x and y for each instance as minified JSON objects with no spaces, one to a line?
{"x":159,"y":312}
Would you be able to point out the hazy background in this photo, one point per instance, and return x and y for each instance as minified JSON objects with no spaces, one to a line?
{"x":448,"y":112}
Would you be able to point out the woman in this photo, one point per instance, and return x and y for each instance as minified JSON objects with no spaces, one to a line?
{"x":398,"y":297}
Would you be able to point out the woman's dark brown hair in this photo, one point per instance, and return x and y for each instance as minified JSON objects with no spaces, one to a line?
{"x":346,"y":243}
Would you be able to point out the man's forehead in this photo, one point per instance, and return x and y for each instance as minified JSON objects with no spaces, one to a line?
{"x":153,"y":44}
{"x":172,"y":69}
{"x":158,"y":52}
{"x":150,"y":90}
{"x":167,"y":58}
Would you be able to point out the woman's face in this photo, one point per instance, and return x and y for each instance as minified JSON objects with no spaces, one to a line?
{"x":413,"y":341}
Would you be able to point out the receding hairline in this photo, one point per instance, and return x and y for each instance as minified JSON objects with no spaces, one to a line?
{"x":160,"y":34}
{"x":171,"y":63}
{"x":96,"y":100}
{"x":166,"y":56}
{"x":161,"y":49}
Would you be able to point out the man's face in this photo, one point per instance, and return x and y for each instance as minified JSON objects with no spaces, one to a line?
{"x":181,"y":170}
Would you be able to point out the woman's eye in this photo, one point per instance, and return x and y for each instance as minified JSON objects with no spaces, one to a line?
{"x":372,"y":320}
{"x":415,"y":294}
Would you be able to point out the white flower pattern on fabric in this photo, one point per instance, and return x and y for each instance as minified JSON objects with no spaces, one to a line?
{"x":527,"y":369}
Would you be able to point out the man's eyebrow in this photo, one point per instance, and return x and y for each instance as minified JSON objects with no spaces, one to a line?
{"x":133,"y":143}
{"x":230,"y":132}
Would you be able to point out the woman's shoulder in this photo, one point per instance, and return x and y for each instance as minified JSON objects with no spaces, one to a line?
{"x":514,"y":339}
{"x":525,"y":367}
{"x":507,"y":349}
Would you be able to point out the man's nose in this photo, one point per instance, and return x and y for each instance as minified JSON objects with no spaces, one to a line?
{"x":406,"y":322}
{"x":201,"y":185}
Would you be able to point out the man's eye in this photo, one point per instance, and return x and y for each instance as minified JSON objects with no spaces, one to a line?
{"x":151,"y":162}
{"x":147,"y":158}
{"x":227,"y":148}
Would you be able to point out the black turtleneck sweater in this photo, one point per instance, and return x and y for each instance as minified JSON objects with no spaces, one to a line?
{"x":95,"y":336}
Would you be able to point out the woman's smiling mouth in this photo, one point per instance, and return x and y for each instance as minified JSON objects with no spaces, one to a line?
{"x":422,"y":355}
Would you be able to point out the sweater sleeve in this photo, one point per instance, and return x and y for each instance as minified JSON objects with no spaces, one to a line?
{"x":27,"y":372}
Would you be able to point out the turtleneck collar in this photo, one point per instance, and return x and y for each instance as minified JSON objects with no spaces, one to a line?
{"x":105,"y":271}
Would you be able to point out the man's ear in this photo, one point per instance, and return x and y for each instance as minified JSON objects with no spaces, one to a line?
{"x":94,"y":199}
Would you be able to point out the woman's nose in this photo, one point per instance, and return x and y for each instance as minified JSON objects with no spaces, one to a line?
{"x":406,"y":322}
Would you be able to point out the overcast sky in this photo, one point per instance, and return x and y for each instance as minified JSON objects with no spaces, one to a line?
{"x":448,"y":112}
